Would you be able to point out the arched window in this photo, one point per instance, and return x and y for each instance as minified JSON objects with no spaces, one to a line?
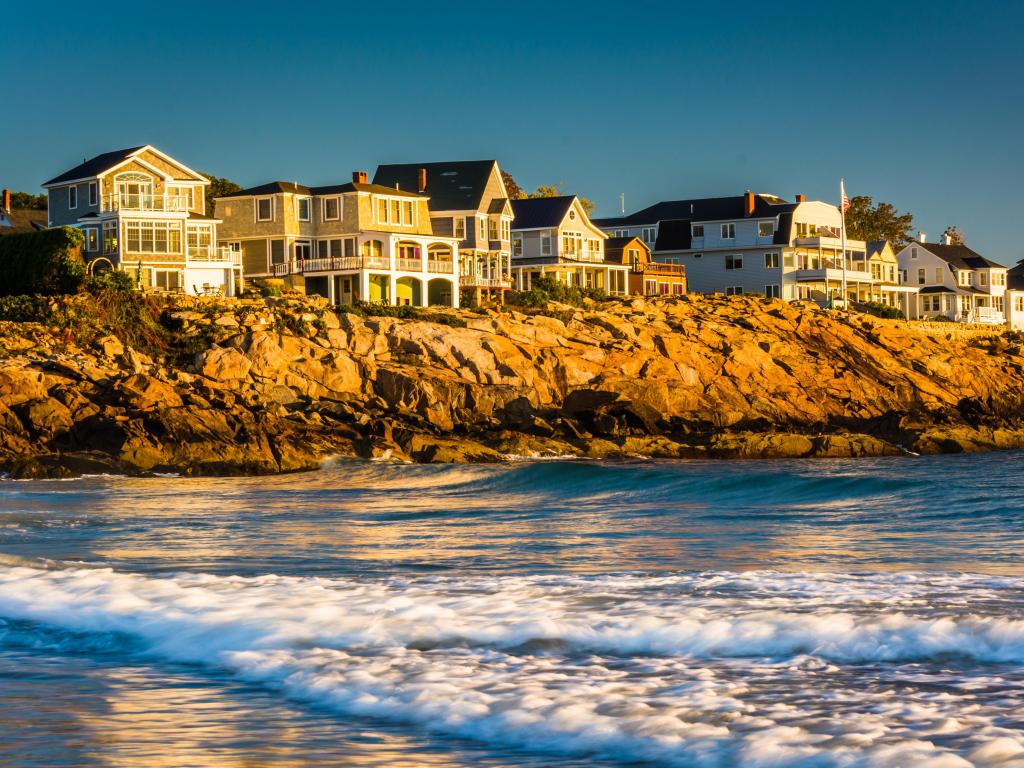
{"x":372,"y":249}
{"x":133,"y":190}
{"x":408,"y":250}
{"x":439,"y":252}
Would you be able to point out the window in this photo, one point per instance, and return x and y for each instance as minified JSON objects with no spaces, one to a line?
{"x":459,"y":227}
{"x":728,"y":231}
{"x":788,"y":260}
{"x":303,"y":250}
{"x":199,"y":241}
{"x":697,"y":230}
{"x":733,"y":290}
{"x":622,"y":233}
{"x":572,"y":243}
{"x":167,"y":279}
{"x":677,"y":289}
{"x":771,"y":261}
{"x":517,"y":244}
{"x":349,"y":246}
{"x":334,"y":250}
{"x":997,"y":303}
{"x":506,"y":229}
{"x":698,"y":255}
{"x":110,"y":237}
{"x":920,"y":277}
{"x":492,"y":230}
{"x":545,"y":243}
{"x":765,"y":228}
{"x":92,"y":236}
{"x":302,"y":208}
{"x":650,"y":286}
{"x":772,"y":292}
{"x":913,"y":253}
{"x":396,"y":212}
{"x":332,"y":209}
{"x":264,"y":209}
{"x":153,"y":237}
{"x":1018,"y":304}
{"x":938,"y":274}
{"x":647,"y":234}
{"x":72,"y":197}
{"x":408,"y":213}
{"x":94,"y":193}
{"x":277,"y":251}
{"x":321,"y":249}
{"x":734,"y":261}
{"x":372,"y":249}
{"x":983,"y":278}
{"x":482,"y":229}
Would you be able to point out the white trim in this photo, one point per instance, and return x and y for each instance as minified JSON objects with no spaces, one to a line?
{"x":299,"y":199}
{"x":323,"y":207}
{"x":165,"y":176}
{"x":256,"y":208}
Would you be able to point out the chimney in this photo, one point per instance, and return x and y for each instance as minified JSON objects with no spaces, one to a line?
{"x":421,"y":180}
{"x":358,"y":177}
{"x":801,"y":198}
{"x":748,"y":203}
{"x":922,"y":237}
{"x":946,"y":239}
{"x":7,"y":200}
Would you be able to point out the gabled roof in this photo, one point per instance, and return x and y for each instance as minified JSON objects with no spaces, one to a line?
{"x":617,"y":243}
{"x":540,"y":212}
{"x":293,"y":188}
{"x":875,"y":246}
{"x":959,"y":256}
{"x":458,"y":185}
{"x":95,"y":165}
{"x":22,"y":220}
{"x":1015,"y":277}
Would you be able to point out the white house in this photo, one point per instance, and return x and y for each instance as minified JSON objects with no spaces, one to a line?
{"x":954,"y":281}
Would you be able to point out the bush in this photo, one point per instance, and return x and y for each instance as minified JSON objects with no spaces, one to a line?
{"x":883,"y":310}
{"x":47,"y":263}
{"x":545,"y":289}
{"x":116,"y":280}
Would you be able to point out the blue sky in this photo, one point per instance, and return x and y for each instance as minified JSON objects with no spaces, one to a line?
{"x":917,"y":104}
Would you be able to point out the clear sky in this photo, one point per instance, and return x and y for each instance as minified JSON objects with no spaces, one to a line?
{"x":920,"y":104}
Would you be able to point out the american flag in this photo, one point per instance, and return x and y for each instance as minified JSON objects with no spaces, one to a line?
{"x":842,"y":194}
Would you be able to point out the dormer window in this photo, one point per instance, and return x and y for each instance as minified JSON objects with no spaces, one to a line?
{"x":729,"y":231}
{"x":302,"y":208}
{"x":647,"y":234}
{"x":765,"y":228}
{"x":697,"y":230}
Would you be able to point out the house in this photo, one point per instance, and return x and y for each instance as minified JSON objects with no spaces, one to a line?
{"x":954,"y":281}
{"x":350,"y":242}
{"x":1014,"y":298}
{"x":553,"y":236}
{"x":646,"y":277}
{"x":468,"y":201}
{"x":19,"y":219}
{"x":142,"y":211}
{"x":758,"y":243}
{"x":886,"y":283}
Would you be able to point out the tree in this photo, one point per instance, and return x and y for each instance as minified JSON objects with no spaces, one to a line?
{"x":867,"y":221}
{"x":553,"y":190}
{"x":27,"y":200}
{"x":515,"y":192}
{"x":956,"y":235}
{"x":218,"y":186}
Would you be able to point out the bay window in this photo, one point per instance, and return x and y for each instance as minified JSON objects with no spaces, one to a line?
{"x":153,"y":237}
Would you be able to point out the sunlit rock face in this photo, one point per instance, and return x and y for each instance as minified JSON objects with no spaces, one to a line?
{"x":279,"y":385}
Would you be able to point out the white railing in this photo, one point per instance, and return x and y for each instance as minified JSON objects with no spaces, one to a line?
{"x":441,"y":266}
{"x":208,"y":253}
{"x":336,"y":264}
{"x":485,"y":282}
{"x":124,"y":201}
{"x":410,"y":265}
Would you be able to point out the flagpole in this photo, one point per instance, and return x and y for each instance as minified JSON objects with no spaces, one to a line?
{"x":842,"y":211}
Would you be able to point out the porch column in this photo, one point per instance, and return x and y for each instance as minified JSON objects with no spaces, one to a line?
{"x":455,"y":293}
{"x":392,"y":289}
{"x":364,"y":285}
{"x":331,"y":292}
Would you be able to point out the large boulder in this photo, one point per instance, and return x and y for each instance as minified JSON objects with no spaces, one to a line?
{"x":223,"y":364}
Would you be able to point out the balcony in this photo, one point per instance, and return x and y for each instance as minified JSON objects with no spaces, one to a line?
{"x":211,"y":254}
{"x":144,"y":202}
{"x":441,"y":266}
{"x":654,"y":268}
{"x":338,"y":264}
{"x":475,"y":281}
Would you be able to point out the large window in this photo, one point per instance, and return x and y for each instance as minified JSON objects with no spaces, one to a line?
{"x":264,"y":209}
{"x":153,"y":237}
{"x":181,"y":198}
{"x":92,"y":236}
{"x":134,"y":191}
{"x":728,"y":231}
{"x":200,"y":241}
{"x":110,"y":237}
{"x":167,"y":279}
{"x":332,"y":209}
{"x":765,"y":228}
{"x":734,"y":261}
{"x":277,"y":251}
{"x":396,"y":212}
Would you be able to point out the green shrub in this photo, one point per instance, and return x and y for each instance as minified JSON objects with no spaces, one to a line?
{"x":114,"y":280}
{"x":546,"y":289}
{"x":48,"y":262}
{"x":878,"y":309}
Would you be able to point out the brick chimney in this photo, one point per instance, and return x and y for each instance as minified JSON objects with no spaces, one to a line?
{"x":801,"y":198}
{"x":358,"y":177}
{"x":421,"y":180}
{"x":748,"y":203}
{"x":7,"y":200}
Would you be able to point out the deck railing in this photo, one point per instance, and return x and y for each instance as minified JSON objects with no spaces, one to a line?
{"x":125,"y":201}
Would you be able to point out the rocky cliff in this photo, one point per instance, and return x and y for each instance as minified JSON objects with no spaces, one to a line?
{"x":278,"y":385}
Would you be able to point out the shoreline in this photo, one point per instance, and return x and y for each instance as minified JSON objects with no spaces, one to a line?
{"x":254,"y":387}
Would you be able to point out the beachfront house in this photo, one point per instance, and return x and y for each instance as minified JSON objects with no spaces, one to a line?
{"x":143,"y":212}
{"x":760,"y":243}
{"x":350,"y":242}
{"x":954,"y":281}
{"x":646,"y":277}
{"x":468,"y":201}
{"x":554,"y":237}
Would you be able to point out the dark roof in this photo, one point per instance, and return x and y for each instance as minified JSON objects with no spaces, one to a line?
{"x":538,"y":212}
{"x":875,"y":246}
{"x":960,"y":256}
{"x":936,"y":289}
{"x":1015,"y":277}
{"x":91,"y":167}
{"x":201,"y":216}
{"x":452,"y":186}
{"x":673,"y":235}
{"x":702,"y":209}
{"x":23,"y":220}
{"x":618,"y":243}
{"x":276,"y":187}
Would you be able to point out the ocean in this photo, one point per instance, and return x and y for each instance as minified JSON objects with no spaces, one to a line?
{"x":552,"y":613}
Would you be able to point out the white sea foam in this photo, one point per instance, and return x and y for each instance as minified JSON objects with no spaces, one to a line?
{"x":708,"y":669}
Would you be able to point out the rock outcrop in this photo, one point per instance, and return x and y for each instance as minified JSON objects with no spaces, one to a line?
{"x":279,"y":385}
